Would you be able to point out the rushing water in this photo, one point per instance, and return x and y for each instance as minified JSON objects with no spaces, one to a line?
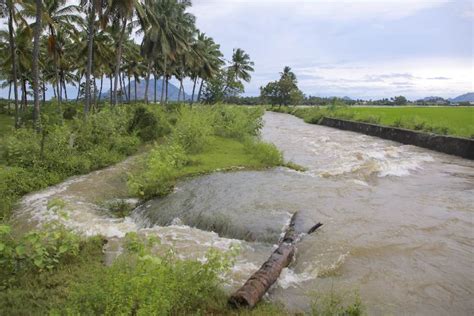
{"x":398,"y":220}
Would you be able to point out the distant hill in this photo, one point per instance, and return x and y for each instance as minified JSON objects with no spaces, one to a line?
{"x":432,"y":99}
{"x":172,"y":91}
{"x":467,"y":97}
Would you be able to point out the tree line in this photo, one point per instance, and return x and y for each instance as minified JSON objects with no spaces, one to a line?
{"x":54,"y":43}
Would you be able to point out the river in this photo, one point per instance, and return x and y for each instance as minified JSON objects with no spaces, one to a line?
{"x":398,"y":220}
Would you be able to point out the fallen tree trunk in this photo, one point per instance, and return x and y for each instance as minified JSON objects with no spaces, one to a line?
{"x":258,"y":284}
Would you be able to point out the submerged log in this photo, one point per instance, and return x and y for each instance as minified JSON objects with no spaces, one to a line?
{"x":258,"y":284}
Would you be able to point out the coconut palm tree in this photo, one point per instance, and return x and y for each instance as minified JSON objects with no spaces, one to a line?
{"x":35,"y":69}
{"x":121,"y":12}
{"x":11,"y":11}
{"x":240,"y":67}
{"x":91,"y":7}
{"x":56,"y":15}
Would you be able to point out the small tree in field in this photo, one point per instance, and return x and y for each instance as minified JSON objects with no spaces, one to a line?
{"x":400,"y":100}
{"x":284,"y":91}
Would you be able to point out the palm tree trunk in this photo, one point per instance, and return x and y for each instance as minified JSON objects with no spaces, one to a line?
{"x":166,"y":97}
{"x":55,"y":63}
{"x":111,"y":90}
{"x":35,"y":68}
{"x":44,"y":91}
{"x":119,"y":59}
{"x":90,"y":53}
{"x":200,"y":90}
{"x":154,"y":91}
{"x":23,"y":95}
{"x":194,"y":89}
{"x":79,"y":90}
{"x":129,"y":90}
{"x":100,"y":90}
{"x":147,"y":82}
{"x":135,"y":88}
{"x":95,"y":93}
{"x":123,"y":90}
{"x":9,"y":96}
{"x":65,"y":91}
{"x":179,"y":93}
{"x":181,"y":87}
{"x":13,"y":56}
{"x":163,"y":80}
{"x":162,"y":89}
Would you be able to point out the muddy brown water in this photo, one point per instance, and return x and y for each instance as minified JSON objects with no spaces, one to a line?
{"x":398,"y":220}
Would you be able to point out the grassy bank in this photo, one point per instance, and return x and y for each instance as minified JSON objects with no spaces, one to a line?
{"x":204,"y":140}
{"x":455,"y":121}
{"x":78,"y":283}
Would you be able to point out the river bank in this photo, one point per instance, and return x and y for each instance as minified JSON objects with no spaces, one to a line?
{"x":415,"y":132}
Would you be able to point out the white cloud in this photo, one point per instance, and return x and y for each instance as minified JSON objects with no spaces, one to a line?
{"x":421,"y":77}
{"x":343,"y":10}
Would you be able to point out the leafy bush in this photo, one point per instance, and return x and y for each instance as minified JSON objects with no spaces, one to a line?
{"x":237,"y":123}
{"x":16,"y":182}
{"x":193,"y":129}
{"x":149,"y":123}
{"x":140,"y":283}
{"x":265,"y":153}
{"x":35,"y":251}
{"x":159,"y":170}
{"x":69,"y":113}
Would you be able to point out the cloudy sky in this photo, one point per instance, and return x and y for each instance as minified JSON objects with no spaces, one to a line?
{"x":358,"y":48}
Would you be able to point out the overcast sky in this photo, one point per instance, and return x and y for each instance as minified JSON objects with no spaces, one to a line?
{"x":357,"y":48}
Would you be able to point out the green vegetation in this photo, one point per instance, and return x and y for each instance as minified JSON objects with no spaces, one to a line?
{"x":34,"y":161}
{"x":57,"y":272}
{"x":456,"y":121}
{"x":284,"y":91}
{"x":204,"y":140}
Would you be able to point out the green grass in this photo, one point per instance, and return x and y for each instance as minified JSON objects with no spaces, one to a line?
{"x":455,"y":121}
{"x":6,"y":125}
{"x":458,"y":120}
{"x":221,"y":154}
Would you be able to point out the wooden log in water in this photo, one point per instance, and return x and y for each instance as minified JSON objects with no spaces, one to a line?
{"x":258,"y":284}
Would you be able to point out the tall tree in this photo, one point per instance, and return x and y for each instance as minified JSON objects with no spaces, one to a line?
{"x":10,"y":7}
{"x":240,"y":68}
{"x":36,"y":51}
{"x":121,"y":11}
{"x":92,"y":6}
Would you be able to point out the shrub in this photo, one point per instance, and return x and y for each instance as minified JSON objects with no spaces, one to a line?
{"x":35,"y":251}
{"x":236,"y":122}
{"x":70,"y":113}
{"x":159,"y":170}
{"x":149,"y":123}
{"x":265,"y":153}
{"x":193,"y":129}
{"x":139,"y":283}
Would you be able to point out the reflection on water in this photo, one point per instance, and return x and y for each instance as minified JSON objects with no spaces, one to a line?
{"x":398,"y":220}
